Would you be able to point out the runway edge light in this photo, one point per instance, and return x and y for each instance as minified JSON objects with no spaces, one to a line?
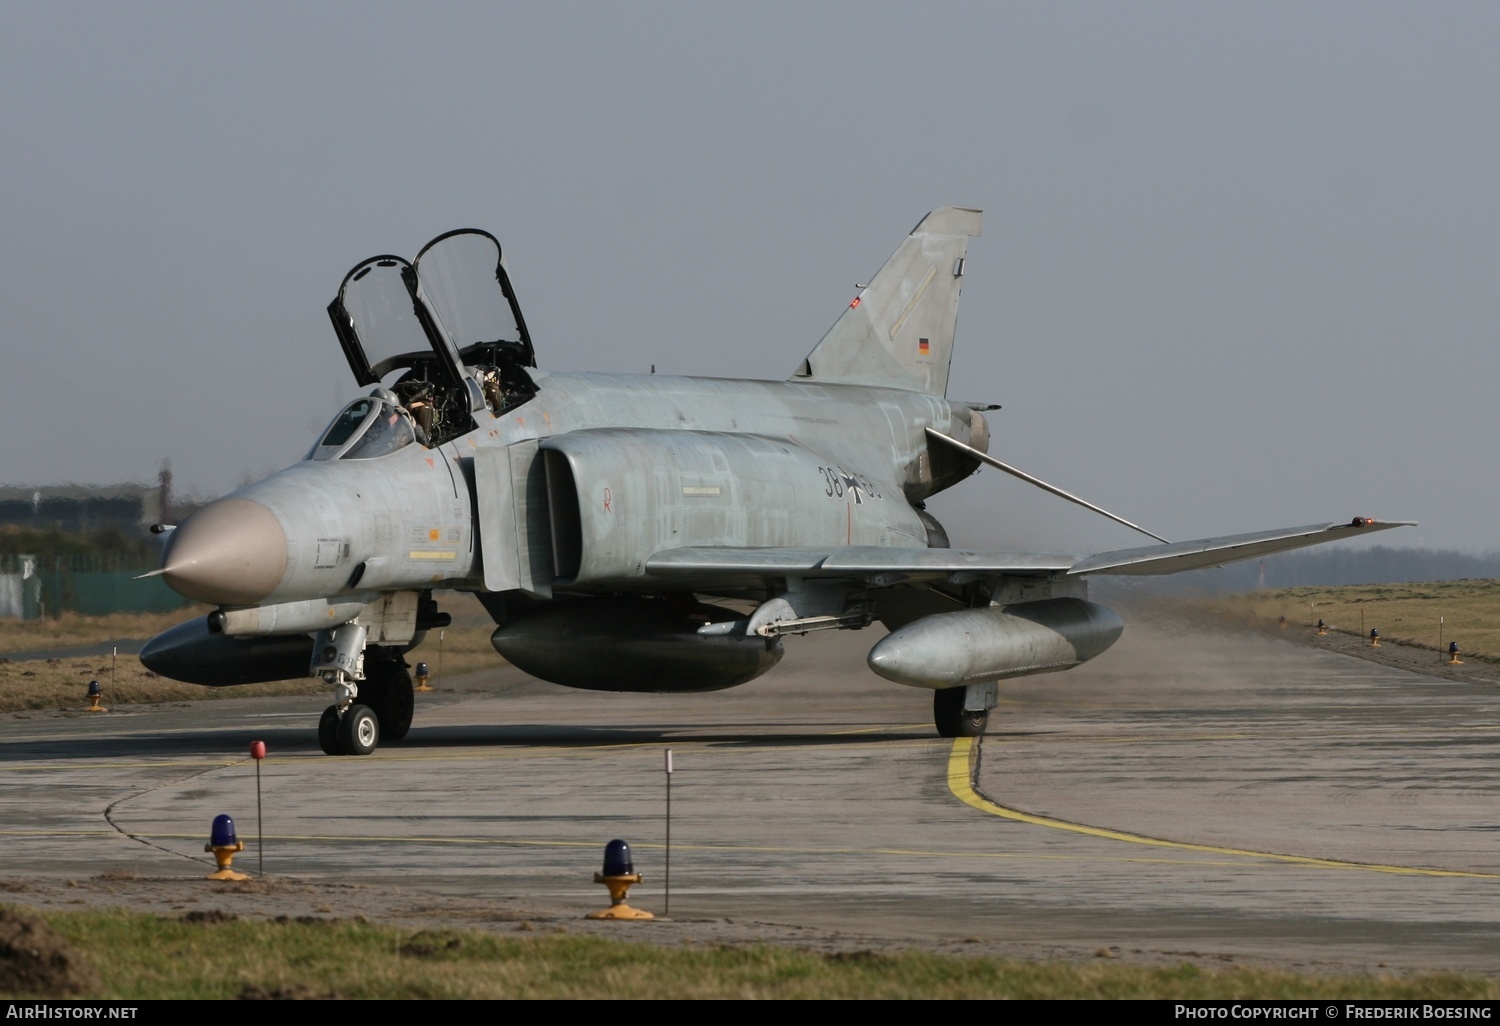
{"x":619,"y":873}
{"x":223,"y":843}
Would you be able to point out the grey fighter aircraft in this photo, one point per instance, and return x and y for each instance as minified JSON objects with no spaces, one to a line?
{"x":595,"y":514}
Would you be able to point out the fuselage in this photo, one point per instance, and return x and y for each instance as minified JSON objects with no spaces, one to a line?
{"x":652,"y":462}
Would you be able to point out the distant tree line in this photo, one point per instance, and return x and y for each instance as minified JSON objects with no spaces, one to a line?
{"x":49,"y":544}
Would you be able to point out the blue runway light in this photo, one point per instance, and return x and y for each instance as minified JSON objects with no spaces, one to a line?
{"x":619,"y":873}
{"x":224,"y":845}
{"x":617,"y":859}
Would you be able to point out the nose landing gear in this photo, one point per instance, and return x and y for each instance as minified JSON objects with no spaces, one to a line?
{"x":367,"y":711}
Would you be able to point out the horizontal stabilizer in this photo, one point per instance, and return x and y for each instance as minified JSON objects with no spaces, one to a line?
{"x":1194,"y":555}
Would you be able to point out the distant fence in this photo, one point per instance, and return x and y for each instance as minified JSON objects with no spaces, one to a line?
{"x":91,"y":584}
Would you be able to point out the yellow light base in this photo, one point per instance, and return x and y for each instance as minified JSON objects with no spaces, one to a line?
{"x":227,"y":874}
{"x":619,"y":887}
{"x":620,"y":911}
{"x":224,"y":855}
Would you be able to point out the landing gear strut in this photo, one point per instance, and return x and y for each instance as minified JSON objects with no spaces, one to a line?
{"x":952,"y":719}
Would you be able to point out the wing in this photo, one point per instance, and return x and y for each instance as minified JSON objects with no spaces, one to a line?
{"x":706,"y":567}
{"x":1194,"y":555}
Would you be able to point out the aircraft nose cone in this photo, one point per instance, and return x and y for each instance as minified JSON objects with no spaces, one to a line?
{"x":231,"y":552}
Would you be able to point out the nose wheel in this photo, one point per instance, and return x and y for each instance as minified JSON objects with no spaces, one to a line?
{"x":328,"y":731}
{"x":356,"y":732}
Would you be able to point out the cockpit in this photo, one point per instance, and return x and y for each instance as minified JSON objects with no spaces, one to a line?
{"x":442,"y":339}
{"x":367,"y":429}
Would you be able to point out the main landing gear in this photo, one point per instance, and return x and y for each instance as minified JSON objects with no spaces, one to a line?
{"x":387,"y":691}
{"x":384,"y":709}
{"x":952,"y":719}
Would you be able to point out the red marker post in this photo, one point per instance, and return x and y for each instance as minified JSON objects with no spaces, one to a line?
{"x":258,"y":753}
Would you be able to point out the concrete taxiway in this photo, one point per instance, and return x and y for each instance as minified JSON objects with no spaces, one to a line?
{"x":1190,"y":794}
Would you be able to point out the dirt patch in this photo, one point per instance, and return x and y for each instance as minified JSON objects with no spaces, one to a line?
{"x":430,"y":943}
{"x":298,"y":992}
{"x":35,"y":960}
{"x":1473,"y":669}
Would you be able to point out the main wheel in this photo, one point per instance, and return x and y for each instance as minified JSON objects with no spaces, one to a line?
{"x":952,"y":719}
{"x":328,"y":731}
{"x":387,"y":690}
{"x":359,"y":730}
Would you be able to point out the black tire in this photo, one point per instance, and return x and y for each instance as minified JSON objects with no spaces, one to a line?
{"x":387,"y":690}
{"x":328,"y":731}
{"x":359,"y":731}
{"x":952,"y":719}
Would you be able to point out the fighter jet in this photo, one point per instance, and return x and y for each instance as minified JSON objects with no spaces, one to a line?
{"x":638,"y":532}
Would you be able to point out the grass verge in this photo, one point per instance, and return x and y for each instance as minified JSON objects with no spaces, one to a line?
{"x":61,"y":683}
{"x":72,"y":629}
{"x":1426,"y":615}
{"x":213,"y":955}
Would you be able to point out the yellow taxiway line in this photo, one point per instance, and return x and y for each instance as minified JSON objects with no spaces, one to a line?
{"x":961,"y":784}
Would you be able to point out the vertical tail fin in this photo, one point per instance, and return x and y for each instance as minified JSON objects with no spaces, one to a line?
{"x":898,"y":332}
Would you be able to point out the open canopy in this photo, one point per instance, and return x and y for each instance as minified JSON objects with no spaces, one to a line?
{"x":453,"y":311}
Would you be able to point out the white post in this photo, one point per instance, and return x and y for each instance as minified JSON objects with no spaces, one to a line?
{"x":667,"y":906}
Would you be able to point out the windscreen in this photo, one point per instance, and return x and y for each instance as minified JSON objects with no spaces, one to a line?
{"x":366,"y":429}
{"x":389,"y":431}
{"x":346,"y":423}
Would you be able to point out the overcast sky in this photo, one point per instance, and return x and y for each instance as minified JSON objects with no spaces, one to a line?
{"x":1239,"y":265}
